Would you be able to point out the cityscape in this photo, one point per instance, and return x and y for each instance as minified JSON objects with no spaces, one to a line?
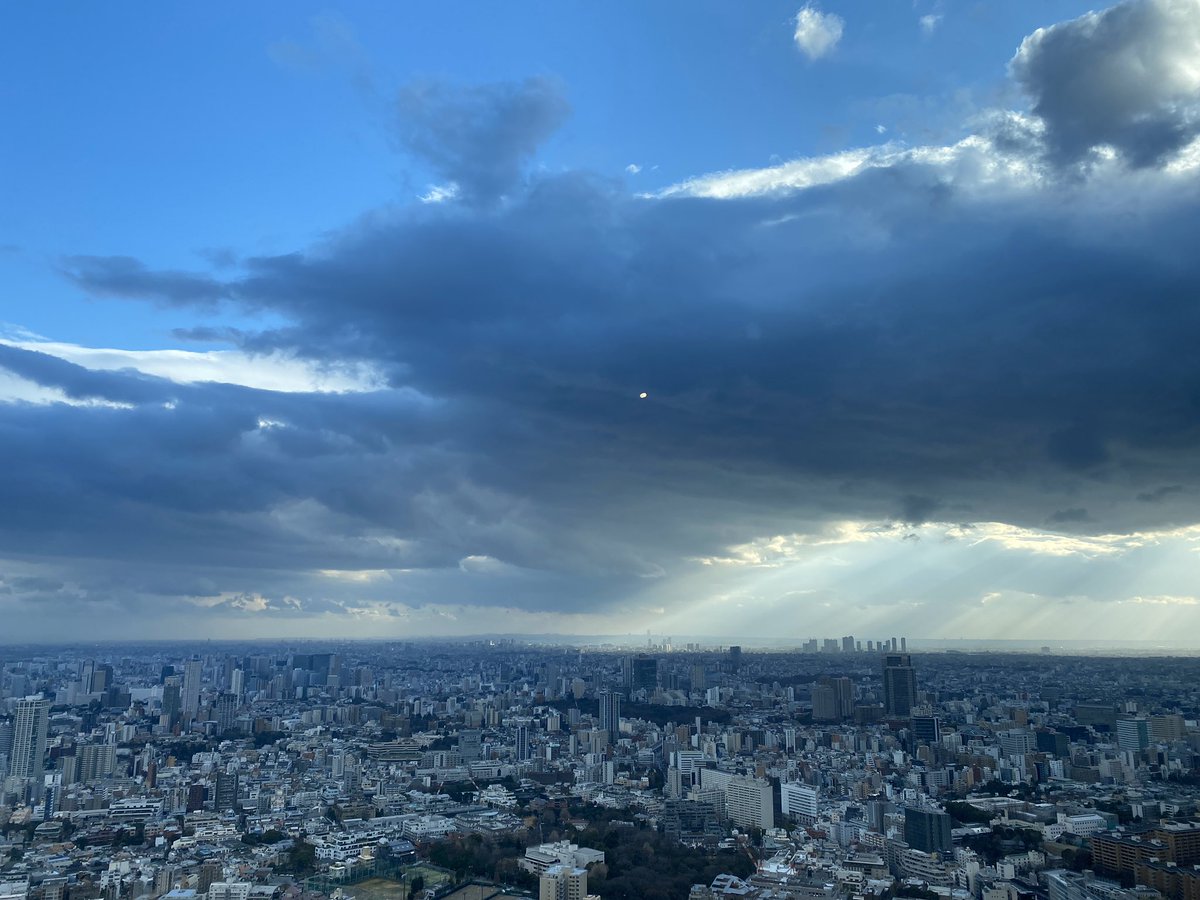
{"x":498,"y":768}
{"x":552,"y":450}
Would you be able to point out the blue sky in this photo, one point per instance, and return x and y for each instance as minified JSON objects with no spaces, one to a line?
{"x":327,"y":320}
{"x":178,"y":130}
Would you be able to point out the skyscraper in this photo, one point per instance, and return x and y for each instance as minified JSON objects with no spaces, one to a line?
{"x":645,"y":673}
{"x":899,"y":685}
{"x":927,"y":830}
{"x":226,"y":791}
{"x":191,"y":687}
{"x":610,"y":714}
{"x":1133,"y":733}
{"x":226,"y":713}
{"x":522,"y":741}
{"x":31,"y":722}
{"x":172,"y":699}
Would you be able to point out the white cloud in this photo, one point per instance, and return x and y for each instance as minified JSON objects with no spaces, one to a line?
{"x":974,"y":162}
{"x":269,"y":372}
{"x":930,"y":23}
{"x":633,"y":168}
{"x":15,"y":389}
{"x":439,"y":193}
{"x":817,"y":33}
{"x":1164,"y":600}
{"x":777,"y":550}
{"x":1125,"y":78}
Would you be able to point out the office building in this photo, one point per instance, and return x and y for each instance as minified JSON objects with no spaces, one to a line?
{"x":735,"y":658}
{"x":799,"y":801}
{"x":1133,"y":733}
{"x":1016,"y":742}
{"x":927,"y":729}
{"x":470,"y":745}
{"x":899,"y":685}
{"x":226,"y":791}
{"x":190,"y":697}
{"x":172,"y":697}
{"x":749,"y":802}
{"x":523,"y":749}
{"x":927,"y":830}
{"x":610,"y":714}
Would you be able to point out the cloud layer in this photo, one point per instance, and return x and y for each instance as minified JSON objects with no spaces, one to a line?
{"x":926,"y":337}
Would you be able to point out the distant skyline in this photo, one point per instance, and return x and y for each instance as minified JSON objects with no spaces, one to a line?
{"x":773,"y":320}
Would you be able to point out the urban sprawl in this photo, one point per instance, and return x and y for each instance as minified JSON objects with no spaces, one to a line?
{"x":850,"y":770}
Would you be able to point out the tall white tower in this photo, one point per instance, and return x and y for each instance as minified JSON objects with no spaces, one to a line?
{"x":30,"y":725}
{"x":191,"y":687}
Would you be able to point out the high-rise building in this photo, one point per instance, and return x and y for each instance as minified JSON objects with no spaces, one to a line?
{"x":522,"y":743}
{"x":824,"y":700}
{"x":610,"y":714}
{"x":799,"y":801}
{"x":927,"y":830}
{"x":225,"y":713}
{"x":561,"y":882}
{"x":226,"y":791}
{"x":848,"y":644}
{"x":1016,"y":742}
{"x":735,"y":658}
{"x":237,"y":683}
{"x":172,"y":698}
{"x":31,"y":722}
{"x":645,"y":673}
{"x":899,"y":685}
{"x":470,"y":744}
{"x":1133,"y":733}
{"x":6,"y":743}
{"x":95,"y":761}
{"x":102,"y":679}
{"x":750,"y":802}
{"x":190,"y":697}
{"x":927,"y":729}
{"x":833,"y":699}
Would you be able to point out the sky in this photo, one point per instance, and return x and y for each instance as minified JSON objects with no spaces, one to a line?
{"x":743,"y":320}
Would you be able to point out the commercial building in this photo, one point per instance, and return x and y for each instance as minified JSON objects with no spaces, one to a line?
{"x":749,"y":802}
{"x":610,"y":714}
{"x":899,"y":685}
{"x":927,"y":830}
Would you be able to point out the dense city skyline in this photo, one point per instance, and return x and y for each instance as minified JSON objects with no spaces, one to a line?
{"x":765,"y":321}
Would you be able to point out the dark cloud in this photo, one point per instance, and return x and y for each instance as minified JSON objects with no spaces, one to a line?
{"x":915,"y":509}
{"x":480,"y":137}
{"x":127,"y":278}
{"x":897,"y":355}
{"x":1066,"y":516}
{"x":79,"y":383}
{"x":1123,"y":78}
{"x":916,"y":342}
{"x":1160,"y":493}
